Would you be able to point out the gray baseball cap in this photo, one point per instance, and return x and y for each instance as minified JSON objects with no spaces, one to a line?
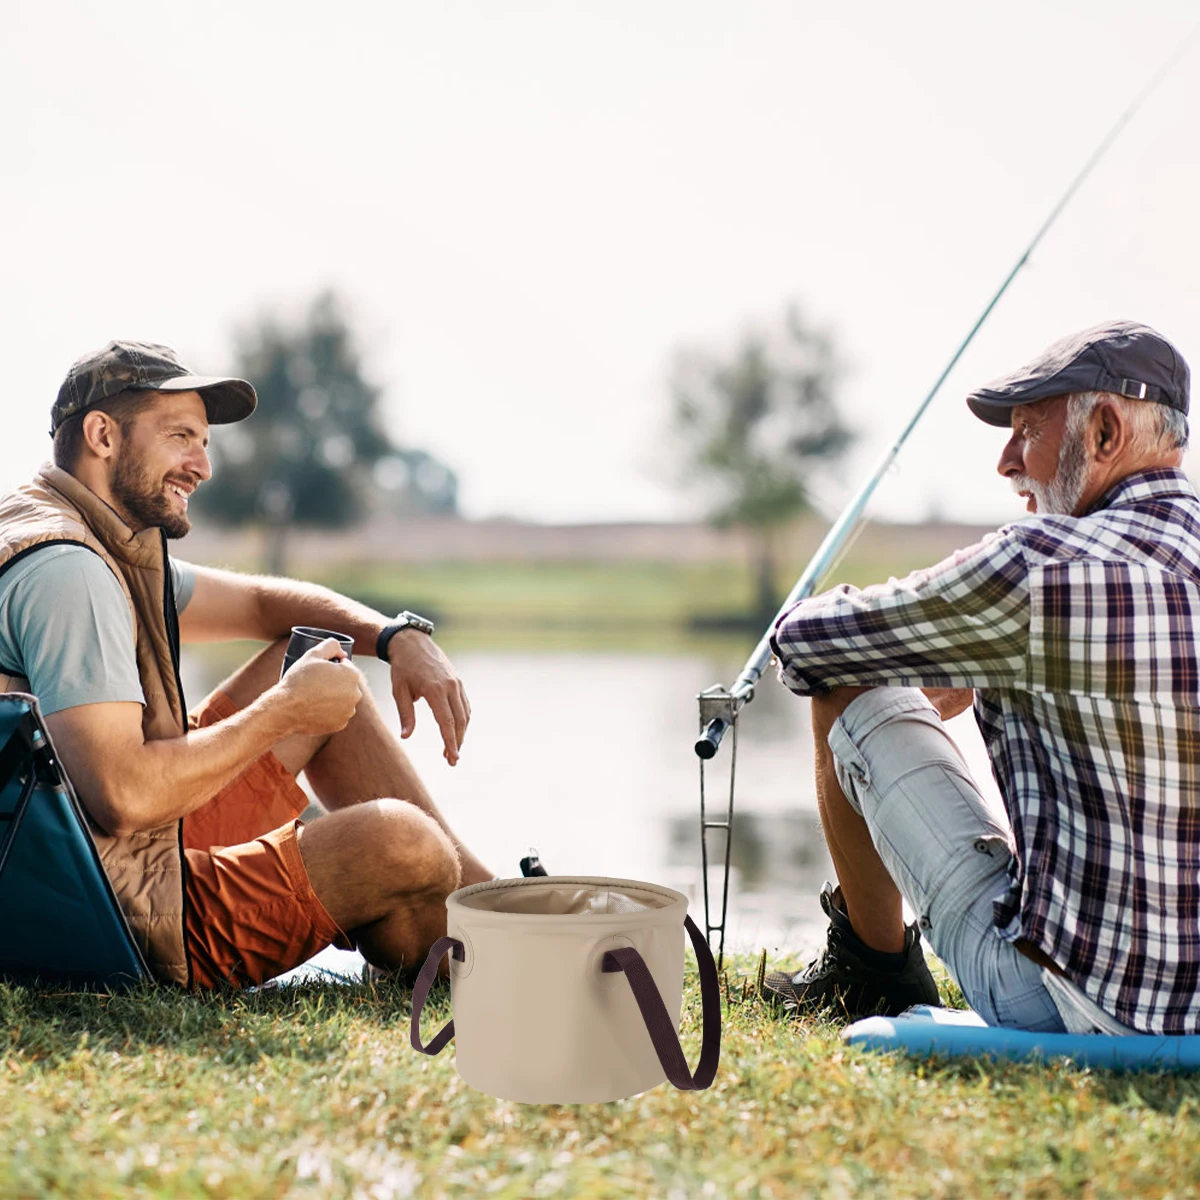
{"x":146,"y":366}
{"x":1118,"y":356}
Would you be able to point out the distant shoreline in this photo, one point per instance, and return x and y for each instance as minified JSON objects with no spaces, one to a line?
{"x":426,"y":539}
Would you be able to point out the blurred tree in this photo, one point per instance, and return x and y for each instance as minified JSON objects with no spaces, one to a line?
{"x":314,"y":452}
{"x":755,"y":428}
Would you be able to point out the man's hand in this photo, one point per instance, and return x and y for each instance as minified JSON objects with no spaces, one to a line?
{"x":949,"y":702}
{"x":129,"y":784}
{"x":421,"y":670}
{"x":226,"y":605}
{"x":324,"y":689}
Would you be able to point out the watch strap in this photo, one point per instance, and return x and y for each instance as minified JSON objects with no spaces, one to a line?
{"x":385,"y":636}
{"x":405,"y":620}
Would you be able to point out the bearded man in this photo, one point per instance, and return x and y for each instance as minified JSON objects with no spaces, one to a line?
{"x":1074,"y":630}
{"x":196,"y":815}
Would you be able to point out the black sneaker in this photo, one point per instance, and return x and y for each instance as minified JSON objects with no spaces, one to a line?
{"x":850,"y":980}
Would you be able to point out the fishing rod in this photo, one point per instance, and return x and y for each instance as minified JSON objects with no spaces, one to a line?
{"x":721,"y":706}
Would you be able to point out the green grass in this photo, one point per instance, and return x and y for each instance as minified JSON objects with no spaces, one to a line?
{"x":314,"y":1091}
{"x":620,"y":605}
{"x":559,"y":592}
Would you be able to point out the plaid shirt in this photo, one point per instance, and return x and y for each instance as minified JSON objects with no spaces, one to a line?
{"x":1080,"y":634}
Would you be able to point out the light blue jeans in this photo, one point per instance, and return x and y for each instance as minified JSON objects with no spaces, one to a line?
{"x":947,"y":851}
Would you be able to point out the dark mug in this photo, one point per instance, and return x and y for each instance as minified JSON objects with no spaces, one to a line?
{"x":304,"y":638}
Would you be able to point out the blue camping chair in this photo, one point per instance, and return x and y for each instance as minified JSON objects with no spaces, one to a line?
{"x":59,"y":919}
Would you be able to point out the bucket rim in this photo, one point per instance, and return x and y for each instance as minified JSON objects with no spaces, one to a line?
{"x":465,"y":913}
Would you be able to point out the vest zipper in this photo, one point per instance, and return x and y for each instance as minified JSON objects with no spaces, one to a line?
{"x":171,"y":614}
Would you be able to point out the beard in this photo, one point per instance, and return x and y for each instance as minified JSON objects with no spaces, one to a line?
{"x":1062,"y":493}
{"x":143,"y":498}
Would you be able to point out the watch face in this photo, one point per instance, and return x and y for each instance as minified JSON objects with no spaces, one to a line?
{"x":415,"y":621}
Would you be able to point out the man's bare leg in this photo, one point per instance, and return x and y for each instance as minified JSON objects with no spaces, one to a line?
{"x":872,"y":900}
{"x":383,"y":870}
{"x":362,"y":762}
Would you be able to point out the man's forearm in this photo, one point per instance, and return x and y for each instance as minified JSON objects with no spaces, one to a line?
{"x":960,"y":624}
{"x":129,"y":785}
{"x":226,"y":606}
{"x":283,"y":603}
{"x":181,"y":774}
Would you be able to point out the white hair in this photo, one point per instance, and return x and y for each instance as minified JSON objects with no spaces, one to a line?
{"x":1154,"y":428}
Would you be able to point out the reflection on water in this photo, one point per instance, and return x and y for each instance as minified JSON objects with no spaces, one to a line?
{"x":768,"y":849}
{"x":588,"y":756}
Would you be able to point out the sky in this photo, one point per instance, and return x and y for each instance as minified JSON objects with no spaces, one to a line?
{"x":530,"y":208}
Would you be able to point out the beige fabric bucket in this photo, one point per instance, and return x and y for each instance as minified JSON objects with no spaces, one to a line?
{"x":567,"y":990}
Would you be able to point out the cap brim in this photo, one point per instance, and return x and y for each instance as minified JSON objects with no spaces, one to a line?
{"x":994,"y":403}
{"x":994,"y":412}
{"x":226,"y":399}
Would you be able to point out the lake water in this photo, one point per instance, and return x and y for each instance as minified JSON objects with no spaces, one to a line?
{"x":588,"y":757}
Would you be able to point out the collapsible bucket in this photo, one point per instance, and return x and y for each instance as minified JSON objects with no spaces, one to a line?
{"x":567,"y":990}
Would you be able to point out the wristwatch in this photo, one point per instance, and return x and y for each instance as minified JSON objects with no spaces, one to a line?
{"x":404,"y":620}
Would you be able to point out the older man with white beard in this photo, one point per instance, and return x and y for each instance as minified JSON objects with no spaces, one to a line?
{"x":1073,"y":631}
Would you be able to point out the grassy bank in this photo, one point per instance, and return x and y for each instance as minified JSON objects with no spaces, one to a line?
{"x":314,"y":1090}
{"x":628,"y":603}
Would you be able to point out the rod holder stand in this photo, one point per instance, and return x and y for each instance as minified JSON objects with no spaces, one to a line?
{"x":718,"y":710}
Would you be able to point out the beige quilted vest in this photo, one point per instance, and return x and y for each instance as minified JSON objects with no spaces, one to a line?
{"x":146,"y":868}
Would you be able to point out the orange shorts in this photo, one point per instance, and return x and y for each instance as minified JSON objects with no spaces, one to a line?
{"x":251,"y":912}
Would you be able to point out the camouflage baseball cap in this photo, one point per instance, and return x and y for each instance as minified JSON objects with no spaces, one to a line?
{"x":145,"y":366}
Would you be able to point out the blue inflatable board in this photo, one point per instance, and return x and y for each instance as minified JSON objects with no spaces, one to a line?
{"x":962,"y":1033}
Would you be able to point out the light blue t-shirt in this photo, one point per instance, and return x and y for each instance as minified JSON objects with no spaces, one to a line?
{"x":65,"y":625}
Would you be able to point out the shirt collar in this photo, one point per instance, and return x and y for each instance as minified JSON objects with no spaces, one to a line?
{"x":1144,"y":485}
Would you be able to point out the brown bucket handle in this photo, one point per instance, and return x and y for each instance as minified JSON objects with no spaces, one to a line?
{"x":421,"y":990}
